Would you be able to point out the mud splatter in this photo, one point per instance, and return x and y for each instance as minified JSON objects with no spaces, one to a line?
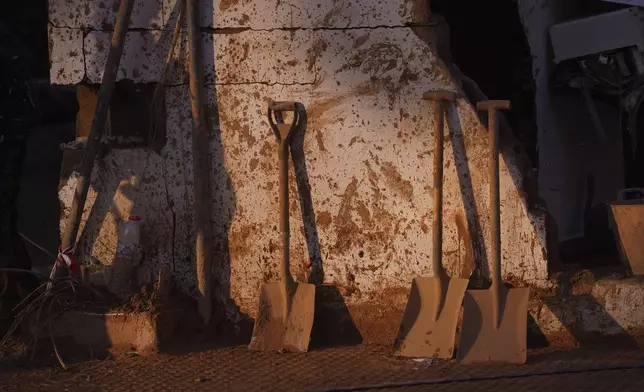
{"x":325,"y":219}
{"x":246,"y":48}
{"x":244,"y":19}
{"x":395,"y":181}
{"x":344,"y":226}
{"x":253,"y":164}
{"x":320,"y":141}
{"x":330,"y":17}
{"x":355,"y":139}
{"x":319,"y":47}
{"x":317,"y":111}
{"x":364,"y":213}
{"x":423,"y":223}
{"x":360,"y":41}
{"x":225,"y":5}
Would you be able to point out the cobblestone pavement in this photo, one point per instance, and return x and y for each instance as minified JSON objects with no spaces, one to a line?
{"x":361,"y":368}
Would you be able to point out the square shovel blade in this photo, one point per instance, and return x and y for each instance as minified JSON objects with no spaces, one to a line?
{"x":481,"y":340}
{"x":419,"y":335}
{"x":272,"y":332}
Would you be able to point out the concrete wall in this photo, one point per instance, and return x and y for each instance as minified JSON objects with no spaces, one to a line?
{"x":361,"y":187}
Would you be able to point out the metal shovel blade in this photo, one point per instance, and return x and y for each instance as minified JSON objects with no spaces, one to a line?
{"x":278,"y":328}
{"x":421,"y":334}
{"x":481,"y":340}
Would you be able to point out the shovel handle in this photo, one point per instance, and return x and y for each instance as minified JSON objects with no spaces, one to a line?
{"x":282,"y":106}
{"x":439,"y":98}
{"x":276,"y":112}
{"x":283,"y":133}
{"x":492,"y":108}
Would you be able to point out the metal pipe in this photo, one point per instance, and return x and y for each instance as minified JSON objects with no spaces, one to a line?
{"x":98,"y":122}
{"x":201,"y":166}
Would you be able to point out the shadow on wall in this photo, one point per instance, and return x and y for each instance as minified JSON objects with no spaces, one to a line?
{"x":333,"y":325}
{"x":227,"y":318}
{"x":478,"y":257}
{"x":521,"y":172}
{"x":514,"y":155}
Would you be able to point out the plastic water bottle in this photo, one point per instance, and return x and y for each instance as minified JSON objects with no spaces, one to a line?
{"x":129,"y":239}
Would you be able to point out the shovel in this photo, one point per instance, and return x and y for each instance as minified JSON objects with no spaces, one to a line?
{"x":286,"y":308}
{"x":494,"y":320}
{"x":428,"y":326}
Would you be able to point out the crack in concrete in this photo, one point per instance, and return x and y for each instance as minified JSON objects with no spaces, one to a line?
{"x":85,"y":77}
{"x":239,"y":30}
{"x":249,"y":83}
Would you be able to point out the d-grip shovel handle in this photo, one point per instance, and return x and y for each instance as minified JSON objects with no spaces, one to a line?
{"x":283,"y":133}
{"x":282,"y":106}
{"x":498,"y":289}
{"x":276,"y":119}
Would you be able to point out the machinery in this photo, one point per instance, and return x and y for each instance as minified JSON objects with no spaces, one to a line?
{"x":603,"y":56}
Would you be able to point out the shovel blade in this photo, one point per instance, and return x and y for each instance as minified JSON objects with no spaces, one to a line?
{"x":481,"y":340}
{"x":277,"y":328}
{"x":419,"y":335}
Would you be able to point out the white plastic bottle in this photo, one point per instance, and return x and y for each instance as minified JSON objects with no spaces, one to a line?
{"x":129,"y":240}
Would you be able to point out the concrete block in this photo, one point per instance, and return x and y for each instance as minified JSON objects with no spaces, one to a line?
{"x":101,"y":14}
{"x":116,"y":331}
{"x":143,"y":55}
{"x":279,"y":14}
{"x":66,"y":56}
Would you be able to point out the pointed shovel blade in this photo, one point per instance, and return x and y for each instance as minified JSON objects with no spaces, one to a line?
{"x":481,"y":340}
{"x":419,"y":335}
{"x":273,"y":332}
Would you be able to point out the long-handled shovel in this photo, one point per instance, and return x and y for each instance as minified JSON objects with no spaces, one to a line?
{"x":494,"y":320}
{"x":286,"y":308}
{"x":428,"y":326}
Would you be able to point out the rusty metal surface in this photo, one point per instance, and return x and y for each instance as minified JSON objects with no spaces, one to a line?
{"x":237,"y":369}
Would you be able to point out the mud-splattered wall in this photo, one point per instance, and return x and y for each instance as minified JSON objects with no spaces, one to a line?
{"x":361,"y":183}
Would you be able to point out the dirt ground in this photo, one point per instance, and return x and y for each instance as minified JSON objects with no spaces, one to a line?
{"x":365,"y":367}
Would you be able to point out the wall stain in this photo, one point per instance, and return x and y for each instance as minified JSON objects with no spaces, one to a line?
{"x":253,"y":164}
{"x":344,"y":226}
{"x":360,"y":41}
{"x":395,"y":181}
{"x":325,"y":219}
{"x":320,"y":141}
{"x":338,"y":7}
{"x":317,"y":49}
{"x":225,"y":5}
